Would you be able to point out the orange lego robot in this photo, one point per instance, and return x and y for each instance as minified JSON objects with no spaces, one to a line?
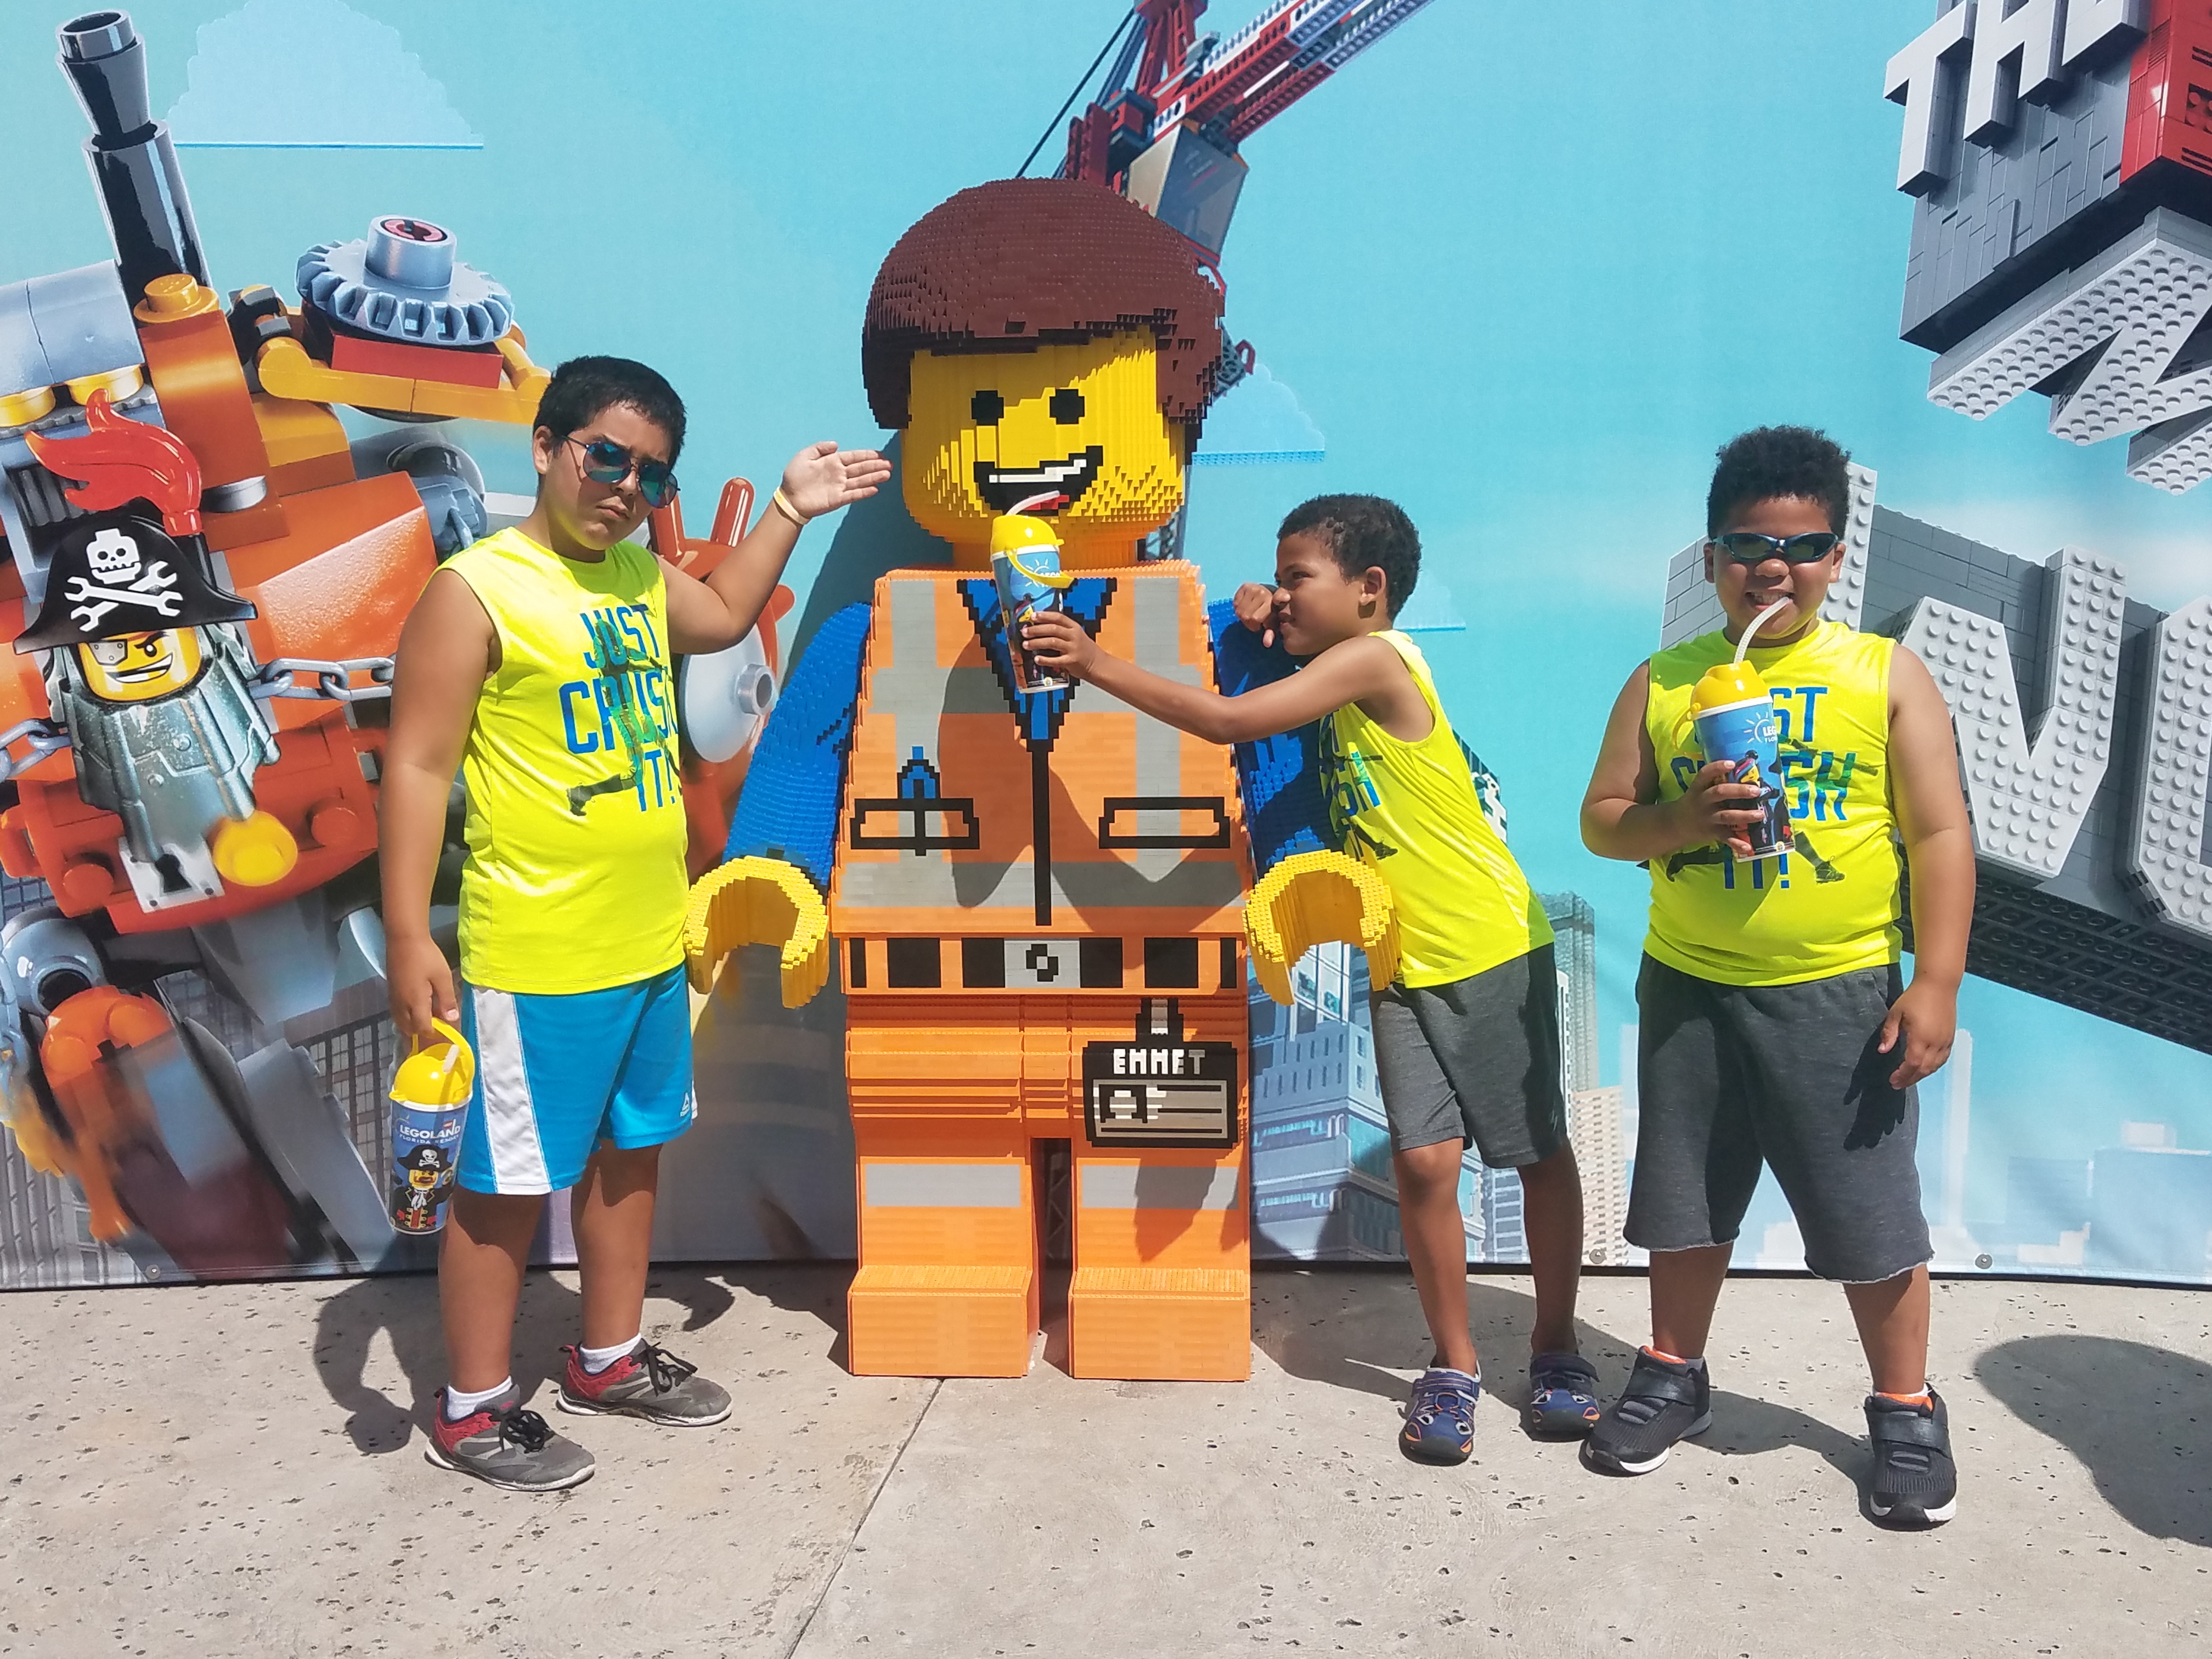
{"x":1039,"y":895}
{"x":205,"y":579}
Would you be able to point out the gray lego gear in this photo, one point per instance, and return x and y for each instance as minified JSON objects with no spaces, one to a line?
{"x":402,"y":282}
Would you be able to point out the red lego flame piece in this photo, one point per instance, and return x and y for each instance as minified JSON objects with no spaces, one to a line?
{"x":122,"y":460}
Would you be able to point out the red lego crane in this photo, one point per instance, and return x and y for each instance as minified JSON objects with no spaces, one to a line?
{"x":1166,"y":125}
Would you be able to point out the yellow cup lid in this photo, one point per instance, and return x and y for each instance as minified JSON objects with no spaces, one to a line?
{"x":1725,"y":682}
{"x":439,"y":1073}
{"x":1017,"y":532}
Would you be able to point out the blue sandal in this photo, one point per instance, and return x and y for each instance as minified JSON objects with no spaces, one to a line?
{"x":1562,"y":1395}
{"x":1440,"y":1417}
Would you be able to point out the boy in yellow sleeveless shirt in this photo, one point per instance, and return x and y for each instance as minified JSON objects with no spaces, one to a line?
{"x":1774,"y":1027}
{"x":541,"y":664}
{"x":1467,"y":1041}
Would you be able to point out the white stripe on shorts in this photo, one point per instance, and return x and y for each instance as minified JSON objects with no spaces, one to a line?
{"x":518,"y":1158}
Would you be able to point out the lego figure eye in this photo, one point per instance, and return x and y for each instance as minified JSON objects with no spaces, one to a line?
{"x":1067,"y":405}
{"x":987,"y":408}
{"x":108,"y":653}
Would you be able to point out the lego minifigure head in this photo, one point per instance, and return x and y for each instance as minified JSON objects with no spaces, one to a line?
{"x":424,"y":1167}
{"x":607,"y":436}
{"x":1042,"y":336}
{"x":1345,"y":565}
{"x":140,"y":667}
{"x":1778,"y":485}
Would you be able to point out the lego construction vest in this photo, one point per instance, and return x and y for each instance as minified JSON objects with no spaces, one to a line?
{"x":1833,"y":904}
{"x":995,"y":839}
{"x":1409,"y":811}
{"x":575,"y":877}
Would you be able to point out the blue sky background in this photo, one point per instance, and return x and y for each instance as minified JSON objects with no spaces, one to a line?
{"x":1523,"y":274}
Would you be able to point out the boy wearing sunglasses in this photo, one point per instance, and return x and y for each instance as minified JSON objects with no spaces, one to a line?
{"x":540,"y":665}
{"x":1775,"y":1027}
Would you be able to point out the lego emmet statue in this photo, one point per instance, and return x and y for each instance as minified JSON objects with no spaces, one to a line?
{"x":1039,"y":895}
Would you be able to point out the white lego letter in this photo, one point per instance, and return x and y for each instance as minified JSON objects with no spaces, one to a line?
{"x":2015,"y":56}
{"x":2145,"y":296}
{"x":1915,"y":78}
{"x":2166,"y":840}
{"x":2028,"y":796}
{"x":2091,"y":24}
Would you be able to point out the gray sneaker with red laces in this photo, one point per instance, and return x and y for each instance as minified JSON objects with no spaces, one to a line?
{"x":502,"y":1444}
{"x":648,"y":1382}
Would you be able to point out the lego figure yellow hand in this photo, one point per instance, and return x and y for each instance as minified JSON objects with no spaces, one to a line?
{"x":756,"y":901}
{"x":1316,"y":898}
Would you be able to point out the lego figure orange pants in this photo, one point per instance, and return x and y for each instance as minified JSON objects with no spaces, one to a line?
{"x":952,"y":1094}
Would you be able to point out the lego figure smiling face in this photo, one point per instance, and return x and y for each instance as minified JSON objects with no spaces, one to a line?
{"x":1042,"y":337}
{"x":140,"y":667}
{"x":989,"y":430}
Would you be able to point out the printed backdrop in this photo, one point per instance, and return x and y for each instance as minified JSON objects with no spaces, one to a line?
{"x":1520,"y":267}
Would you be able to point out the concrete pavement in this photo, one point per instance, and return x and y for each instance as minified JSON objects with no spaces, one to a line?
{"x":237,"y":1470}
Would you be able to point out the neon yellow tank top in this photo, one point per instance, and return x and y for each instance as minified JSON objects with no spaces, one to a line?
{"x":1409,"y":809}
{"x":1829,"y":907}
{"x":575,"y":877}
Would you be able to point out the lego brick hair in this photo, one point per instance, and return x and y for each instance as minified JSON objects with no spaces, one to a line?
{"x":583,"y":387}
{"x":1364,"y":532}
{"x":1024,"y":262}
{"x":1780,"y":461}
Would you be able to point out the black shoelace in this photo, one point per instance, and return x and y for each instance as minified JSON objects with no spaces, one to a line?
{"x":520,"y":1426}
{"x":665,"y":1369}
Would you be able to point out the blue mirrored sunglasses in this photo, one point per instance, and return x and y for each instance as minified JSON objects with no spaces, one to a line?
{"x":607,"y":462}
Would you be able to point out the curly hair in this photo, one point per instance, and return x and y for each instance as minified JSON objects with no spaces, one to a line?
{"x":1364,"y":532}
{"x":1021,"y":263}
{"x":1770,"y":461}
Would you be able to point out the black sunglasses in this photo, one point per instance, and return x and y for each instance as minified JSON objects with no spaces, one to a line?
{"x":1749,"y":547}
{"x":608,"y":462}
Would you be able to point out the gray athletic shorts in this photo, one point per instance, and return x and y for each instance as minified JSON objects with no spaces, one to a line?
{"x":1477,"y":1060}
{"x":1730,"y":1075}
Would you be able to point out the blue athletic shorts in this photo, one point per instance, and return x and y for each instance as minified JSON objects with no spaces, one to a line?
{"x":556,"y":1075}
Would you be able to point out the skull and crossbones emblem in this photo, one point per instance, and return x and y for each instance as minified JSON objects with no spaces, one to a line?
{"x":121,"y":579}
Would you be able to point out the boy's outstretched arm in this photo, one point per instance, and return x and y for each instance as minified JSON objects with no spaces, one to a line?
{"x":1363,"y":670}
{"x":1939,"y":853}
{"x":1623,"y":817}
{"x":708,"y":616}
{"x":446,"y":651}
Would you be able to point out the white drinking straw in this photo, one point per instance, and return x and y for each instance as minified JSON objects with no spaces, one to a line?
{"x":1752,"y":632}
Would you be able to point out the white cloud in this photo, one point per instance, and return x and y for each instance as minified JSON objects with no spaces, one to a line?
{"x":312,"y":75}
{"x":1259,"y":420}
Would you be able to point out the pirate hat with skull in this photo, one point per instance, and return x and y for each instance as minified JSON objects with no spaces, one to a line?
{"x":139,"y":567}
{"x":121,"y":573}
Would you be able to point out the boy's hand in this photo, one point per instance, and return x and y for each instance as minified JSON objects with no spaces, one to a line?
{"x":823,"y":477}
{"x":1926,"y":1016}
{"x":1057,"y":642}
{"x":1255,"y":609}
{"x":421,"y":983}
{"x":1717,"y":809}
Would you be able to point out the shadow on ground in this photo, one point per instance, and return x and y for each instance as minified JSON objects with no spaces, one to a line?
{"x":2133,"y":1414}
{"x":1369,"y":1337}
{"x":406,"y":1310}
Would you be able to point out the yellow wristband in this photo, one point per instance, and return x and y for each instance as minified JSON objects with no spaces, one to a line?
{"x":782,"y":505}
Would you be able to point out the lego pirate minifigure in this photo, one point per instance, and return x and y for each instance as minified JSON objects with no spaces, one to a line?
{"x":148,"y":672}
{"x":1040,"y":893}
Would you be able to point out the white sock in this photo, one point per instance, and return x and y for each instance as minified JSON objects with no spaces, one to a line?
{"x":596,"y":1360}
{"x":459,"y":1405}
